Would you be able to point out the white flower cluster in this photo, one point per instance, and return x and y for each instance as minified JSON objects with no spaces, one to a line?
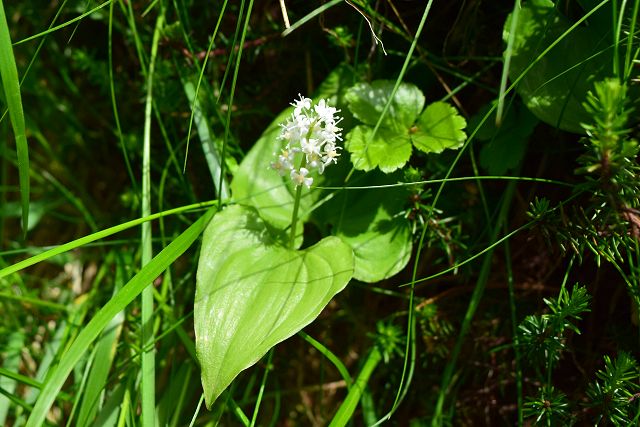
{"x":311,"y":130}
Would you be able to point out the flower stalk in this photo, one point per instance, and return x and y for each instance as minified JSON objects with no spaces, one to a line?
{"x":294,"y":217}
{"x":311,"y":134}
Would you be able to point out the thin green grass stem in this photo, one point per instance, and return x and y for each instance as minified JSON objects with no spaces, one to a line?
{"x":232,"y":53}
{"x":114,"y":104}
{"x":236,"y":71}
{"x":348,"y":407}
{"x":64,"y":24}
{"x":628,"y":65}
{"x":508,"y":53}
{"x":237,"y":411}
{"x":310,"y":16}
{"x":125,"y":406}
{"x":342,"y":369}
{"x":197,"y":411}
{"x":618,"y":16}
{"x":262,"y":386}
{"x":148,"y":382}
{"x":96,"y":236}
{"x":200,"y":79}
{"x":37,"y":51}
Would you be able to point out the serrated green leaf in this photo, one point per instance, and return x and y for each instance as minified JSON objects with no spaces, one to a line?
{"x":388,"y":150}
{"x":439,"y":127}
{"x":252,"y":295}
{"x":367,"y":100}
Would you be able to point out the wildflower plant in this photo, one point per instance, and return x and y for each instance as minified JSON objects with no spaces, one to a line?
{"x":253,"y":291}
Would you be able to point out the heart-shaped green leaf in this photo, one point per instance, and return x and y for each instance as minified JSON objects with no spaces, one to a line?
{"x":387,"y":150}
{"x":371,"y":221}
{"x":439,"y":127}
{"x":367,"y":100}
{"x":252,"y":294}
{"x":382,"y":249}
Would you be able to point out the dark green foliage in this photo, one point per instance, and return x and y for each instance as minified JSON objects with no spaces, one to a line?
{"x":437,"y":332}
{"x":388,"y":339}
{"x":610,"y":219}
{"x":550,"y":407}
{"x":614,"y":393}
{"x":543,"y":337}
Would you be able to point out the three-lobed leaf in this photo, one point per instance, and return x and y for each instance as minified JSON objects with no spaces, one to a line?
{"x":252,"y":294}
{"x":387,"y":149}
{"x":439,"y":127}
{"x":367,"y":100}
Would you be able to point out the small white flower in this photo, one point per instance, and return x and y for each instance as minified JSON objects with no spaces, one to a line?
{"x":332,"y":131}
{"x":300,"y":178}
{"x":301,"y":105}
{"x":310,"y":146}
{"x":330,"y":154}
{"x":279,"y":167}
{"x":312,"y":130}
{"x":284,"y":162}
{"x":325,"y":112}
{"x":314,"y":161}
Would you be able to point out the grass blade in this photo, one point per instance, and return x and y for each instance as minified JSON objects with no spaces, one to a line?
{"x":11,"y":86}
{"x":345,"y":412}
{"x":148,"y":370}
{"x":91,"y":238}
{"x":102,"y":361}
{"x":507,"y":60}
{"x":478,"y":292}
{"x":344,"y":372}
{"x":65,"y":24}
{"x":310,"y":16}
{"x":231,"y":96}
{"x":209,"y":142}
{"x":13,"y":348}
{"x":102,"y":318}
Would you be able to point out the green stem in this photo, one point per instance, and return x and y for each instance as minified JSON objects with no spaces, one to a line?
{"x":294,"y":217}
{"x":346,"y":410}
{"x":148,"y":364}
{"x":262,"y":385}
{"x":296,"y":205}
